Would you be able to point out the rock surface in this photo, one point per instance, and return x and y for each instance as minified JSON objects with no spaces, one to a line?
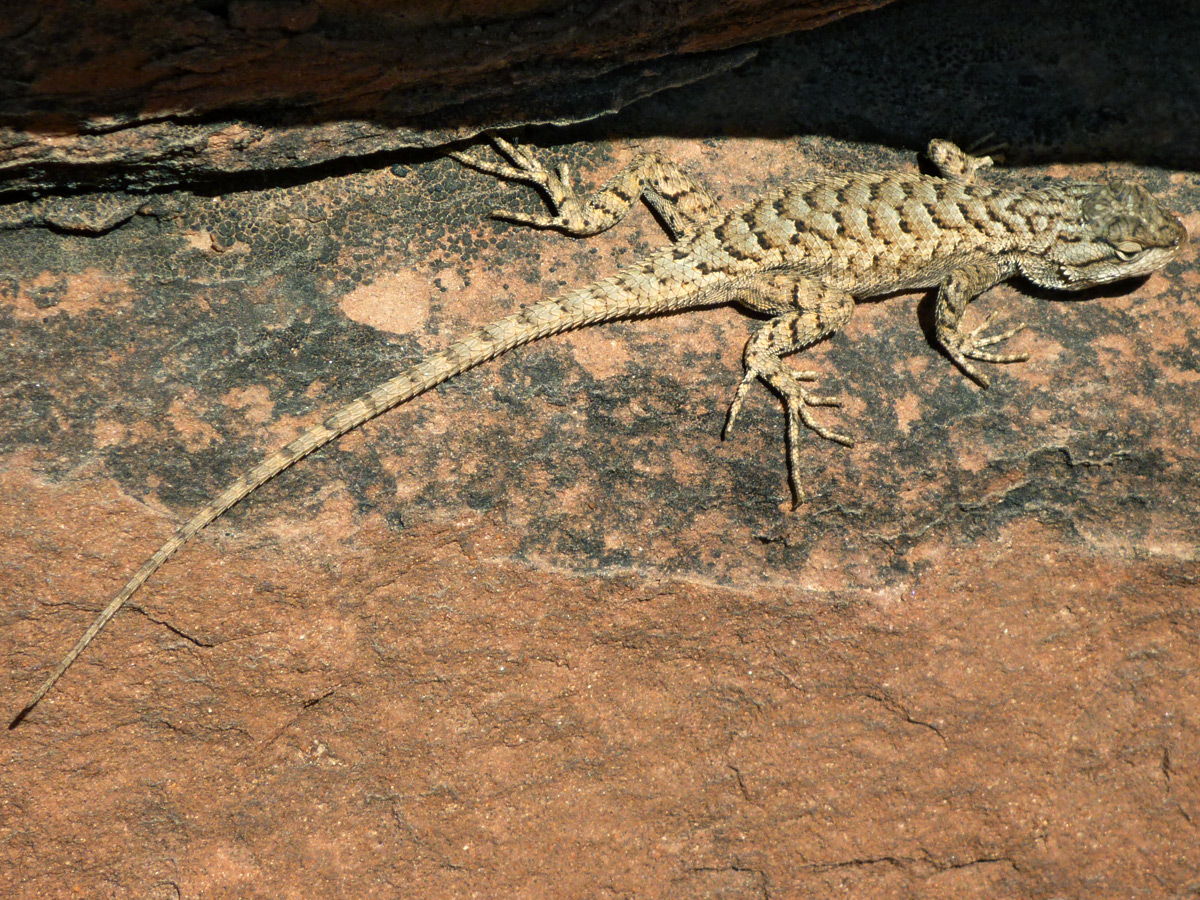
{"x":142,"y":94}
{"x":541,"y":633}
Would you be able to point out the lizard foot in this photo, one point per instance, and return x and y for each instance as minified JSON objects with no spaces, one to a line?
{"x":962,"y":165}
{"x":521,"y":165}
{"x":797,"y":401}
{"x":972,"y":344}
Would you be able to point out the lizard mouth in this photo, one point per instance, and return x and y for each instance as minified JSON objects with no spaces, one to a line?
{"x":1183,"y":232}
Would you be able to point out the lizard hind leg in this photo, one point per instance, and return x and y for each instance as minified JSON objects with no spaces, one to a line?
{"x":804,"y":311}
{"x":956,"y":164}
{"x":682,"y":203}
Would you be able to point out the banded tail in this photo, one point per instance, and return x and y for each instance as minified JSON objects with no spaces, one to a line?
{"x":635,"y":290}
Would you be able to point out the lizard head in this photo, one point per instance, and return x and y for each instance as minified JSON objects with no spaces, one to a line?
{"x":1120,"y":232}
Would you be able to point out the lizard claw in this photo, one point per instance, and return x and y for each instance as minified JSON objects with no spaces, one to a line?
{"x":795,"y":398}
{"x":974,"y":343}
{"x":796,"y":402}
{"x":475,"y":161}
{"x":989,"y":147}
{"x":961,"y":165}
{"x":812,"y":399}
{"x":736,"y":406}
{"x":521,"y":165}
{"x":971,"y":346}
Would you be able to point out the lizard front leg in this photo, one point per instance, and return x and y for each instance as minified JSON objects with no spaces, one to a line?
{"x":805,"y":311}
{"x":681,"y":202}
{"x":955,"y":293}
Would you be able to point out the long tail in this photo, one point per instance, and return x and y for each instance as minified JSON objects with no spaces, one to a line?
{"x":620,"y":296}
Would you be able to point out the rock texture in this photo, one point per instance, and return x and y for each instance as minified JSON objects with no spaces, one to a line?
{"x":143,"y":94}
{"x":541,"y":633}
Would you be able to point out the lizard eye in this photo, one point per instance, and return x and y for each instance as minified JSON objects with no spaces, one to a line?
{"x":1128,"y":250}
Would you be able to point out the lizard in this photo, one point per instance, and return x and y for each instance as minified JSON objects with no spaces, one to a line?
{"x":801,"y":256}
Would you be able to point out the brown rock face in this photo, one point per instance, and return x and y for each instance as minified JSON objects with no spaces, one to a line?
{"x":140,"y":95}
{"x":541,"y":633}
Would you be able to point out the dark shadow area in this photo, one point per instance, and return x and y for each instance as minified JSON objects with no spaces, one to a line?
{"x":1103,"y":81}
